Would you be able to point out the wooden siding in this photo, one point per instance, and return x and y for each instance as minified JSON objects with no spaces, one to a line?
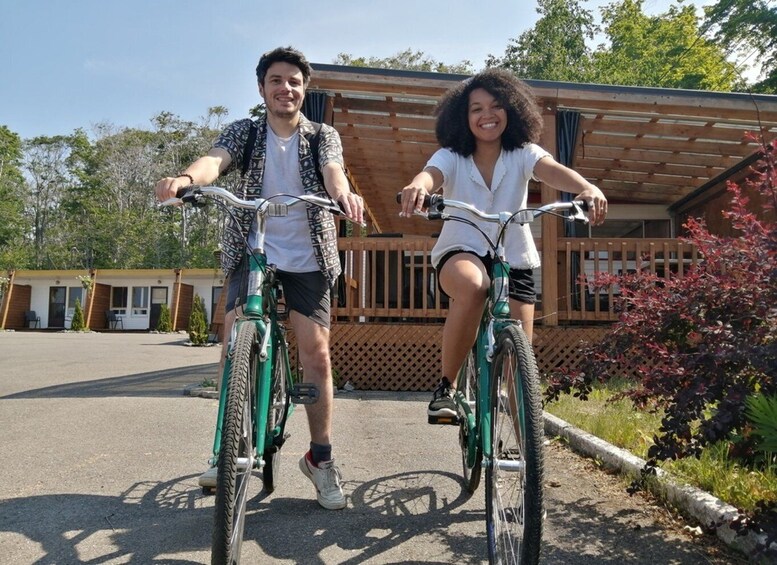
{"x":17,"y":303}
{"x":184,"y":300}
{"x":99,"y":304}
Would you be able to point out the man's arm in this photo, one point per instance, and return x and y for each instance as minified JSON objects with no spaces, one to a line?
{"x":203,"y":171}
{"x":337,"y":187}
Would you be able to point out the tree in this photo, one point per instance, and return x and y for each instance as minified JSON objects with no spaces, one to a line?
{"x":668,"y":50}
{"x":165,"y":324}
{"x":13,"y":224}
{"x":747,"y":29}
{"x":198,"y":329}
{"x":555,"y":48}
{"x":407,"y":60}
{"x":704,"y":344}
{"x":78,"y":324}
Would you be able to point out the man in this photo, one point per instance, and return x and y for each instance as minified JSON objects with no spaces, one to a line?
{"x":302,"y":245}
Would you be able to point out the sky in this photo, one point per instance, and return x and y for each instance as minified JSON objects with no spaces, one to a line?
{"x":67,"y":64}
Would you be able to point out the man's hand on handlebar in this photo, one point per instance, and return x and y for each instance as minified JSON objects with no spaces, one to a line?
{"x":352,"y":206}
{"x":168,"y":187}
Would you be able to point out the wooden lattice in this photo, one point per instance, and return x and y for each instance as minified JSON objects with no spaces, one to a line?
{"x":407,"y":357}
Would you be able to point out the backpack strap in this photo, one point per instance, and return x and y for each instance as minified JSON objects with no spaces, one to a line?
{"x":248,"y":151}
{"x":314,"y":140}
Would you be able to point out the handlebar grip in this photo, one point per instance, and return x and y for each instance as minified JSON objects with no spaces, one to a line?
{"x":427,"y":199}
{"x":583,"y":205}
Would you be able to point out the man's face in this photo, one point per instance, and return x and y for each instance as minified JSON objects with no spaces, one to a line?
{"x":283,"y":90}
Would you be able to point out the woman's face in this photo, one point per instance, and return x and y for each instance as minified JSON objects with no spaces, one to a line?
{"x":487,"y":119}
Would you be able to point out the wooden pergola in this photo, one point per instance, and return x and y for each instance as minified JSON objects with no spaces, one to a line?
{"x":639,"y":145}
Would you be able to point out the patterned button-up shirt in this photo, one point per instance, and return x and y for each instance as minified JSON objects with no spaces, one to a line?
{"x":323,"y":233}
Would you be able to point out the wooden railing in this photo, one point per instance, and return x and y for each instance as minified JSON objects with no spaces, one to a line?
{"x":391,"y":279}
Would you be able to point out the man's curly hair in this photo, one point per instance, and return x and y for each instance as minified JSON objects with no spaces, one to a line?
{"x":524,"y":119}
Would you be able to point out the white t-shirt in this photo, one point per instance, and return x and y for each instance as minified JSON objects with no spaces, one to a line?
{"x":509,"y":192}
{"x":287,"y":239}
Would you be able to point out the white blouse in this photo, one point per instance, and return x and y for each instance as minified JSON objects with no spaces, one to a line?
{"x":509,"y":192}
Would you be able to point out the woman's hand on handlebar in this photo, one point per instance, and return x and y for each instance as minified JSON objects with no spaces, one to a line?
{"x":412,"y":200}
{"x":597,"y":204}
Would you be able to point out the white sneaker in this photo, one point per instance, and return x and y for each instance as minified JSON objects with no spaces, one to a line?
{"x":208,"y":478}
{"x":326,"y":478}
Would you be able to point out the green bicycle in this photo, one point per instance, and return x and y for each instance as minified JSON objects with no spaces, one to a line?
{"x":499,"y":408}
{"x":258,"y":388}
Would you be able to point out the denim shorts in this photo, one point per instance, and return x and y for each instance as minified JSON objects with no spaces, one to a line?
{"x":521,"y":280}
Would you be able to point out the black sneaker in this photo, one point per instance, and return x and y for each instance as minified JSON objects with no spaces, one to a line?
{"x":442,"y":408}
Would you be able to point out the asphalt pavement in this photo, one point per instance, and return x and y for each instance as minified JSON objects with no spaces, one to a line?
{"x":101,"y":453}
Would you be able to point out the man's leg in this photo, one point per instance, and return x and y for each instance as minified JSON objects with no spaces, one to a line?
{"x":317,"y":464}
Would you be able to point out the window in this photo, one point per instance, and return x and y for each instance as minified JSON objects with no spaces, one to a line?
{"x":139,"y":300}
{"x":75,"y":293}
{"x":119,"y":299}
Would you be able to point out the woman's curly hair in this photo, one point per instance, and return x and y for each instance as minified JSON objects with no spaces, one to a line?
{"x":524,"y":119}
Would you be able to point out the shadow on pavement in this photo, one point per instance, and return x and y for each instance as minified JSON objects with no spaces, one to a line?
{"x":169,"y":382}
{"x":153,"y":522}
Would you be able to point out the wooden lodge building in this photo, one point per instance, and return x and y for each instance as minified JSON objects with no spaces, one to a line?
{"x":660,"y":156}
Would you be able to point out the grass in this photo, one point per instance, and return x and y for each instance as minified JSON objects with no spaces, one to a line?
{"x":620,"y":424}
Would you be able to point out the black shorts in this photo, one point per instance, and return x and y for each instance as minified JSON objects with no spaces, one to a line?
{"x":306,"y":293}
{"x":521,"y":280}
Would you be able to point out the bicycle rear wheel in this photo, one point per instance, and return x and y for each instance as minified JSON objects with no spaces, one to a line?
{"x":275,"y":416}
{"x":471,"y":459}
{"x":236,"y":455}
{"x":514,"y":505}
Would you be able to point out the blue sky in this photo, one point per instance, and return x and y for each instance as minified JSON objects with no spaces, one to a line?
{"x":74,"y":63}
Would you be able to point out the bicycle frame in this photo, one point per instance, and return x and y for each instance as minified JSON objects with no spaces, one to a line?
{"x":496,"y":315}
{"x":260,"y":309}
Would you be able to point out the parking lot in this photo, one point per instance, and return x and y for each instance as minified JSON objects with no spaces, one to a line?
{"x":102,"y":451}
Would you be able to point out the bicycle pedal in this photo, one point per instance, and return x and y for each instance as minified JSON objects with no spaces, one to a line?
{"x":443,"y":420}
{"x":304,"y":393}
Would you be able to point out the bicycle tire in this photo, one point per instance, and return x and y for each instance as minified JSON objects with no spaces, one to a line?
{"x":235,"y":461}
{"x":514,"y":497}
{"x":468,"y":387}
{"x":275,"y":416}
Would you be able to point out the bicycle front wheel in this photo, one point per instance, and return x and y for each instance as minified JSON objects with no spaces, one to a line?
{"x":236,"y":455}
{"x":471,"y":451}
{"x":514,"y":506}
{"x":275,"y":417}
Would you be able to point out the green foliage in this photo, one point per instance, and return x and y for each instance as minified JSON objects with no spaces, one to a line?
{"x":668,"y":50}
{"x":13,"y":224}
{"x":555,"y":48}
{"x":405,"y":60}
{"x":78,"y":324}
{"x":747,"y":30}
{"x":198,"y":329}
{"x":165,"y":323}
{"x":761,"y":411}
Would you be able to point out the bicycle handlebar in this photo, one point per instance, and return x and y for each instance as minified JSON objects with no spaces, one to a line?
{"x":436,"y":203}
{"x":264,"y":206}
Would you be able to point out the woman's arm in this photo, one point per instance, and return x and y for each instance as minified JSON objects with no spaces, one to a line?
{"x":558,"y":176}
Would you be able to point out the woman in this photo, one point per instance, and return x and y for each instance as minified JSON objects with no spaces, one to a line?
{"x":488,"y":127}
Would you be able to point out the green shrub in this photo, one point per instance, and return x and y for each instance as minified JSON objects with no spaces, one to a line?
{"x":165,"y":323}
{"x":78,"y":324}
{"x":198,"y":328}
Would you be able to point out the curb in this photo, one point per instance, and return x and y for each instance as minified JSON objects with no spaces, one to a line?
{"x":700,"y":505}
{"x":201,"y":391}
